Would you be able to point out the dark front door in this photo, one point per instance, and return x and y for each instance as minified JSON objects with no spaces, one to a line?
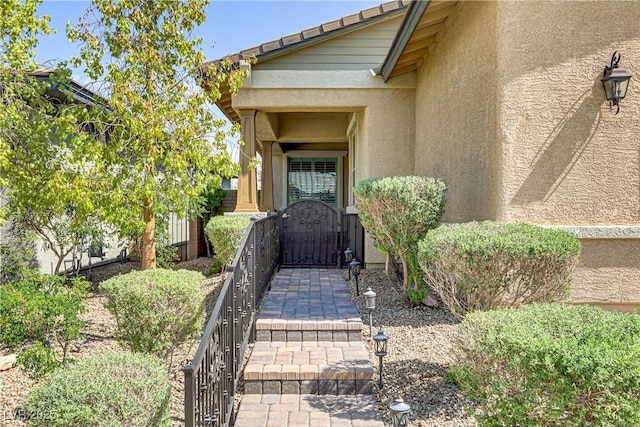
{"x":309,"y":237}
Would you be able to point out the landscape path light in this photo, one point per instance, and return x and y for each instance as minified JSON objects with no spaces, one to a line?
{"x":355,"y":270}
{"x":380,"y":340}
{"x":348,"y":257}
{"x":399,"y":413}
{"x":370,"y":304}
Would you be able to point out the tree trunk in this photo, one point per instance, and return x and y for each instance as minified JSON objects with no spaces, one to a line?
{"x":405,"y":272}
{"x":148,"y":255}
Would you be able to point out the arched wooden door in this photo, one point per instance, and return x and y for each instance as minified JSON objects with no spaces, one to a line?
{"x":310,"y":234}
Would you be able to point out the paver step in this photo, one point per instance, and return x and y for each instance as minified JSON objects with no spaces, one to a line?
{"x":286,"y":410}
{"x":309,"y":330}
{"x":322,"y":367}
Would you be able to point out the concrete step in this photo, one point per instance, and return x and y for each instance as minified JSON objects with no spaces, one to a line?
{"x":275,"y":410}
{"x":282,"y":330}
{"x":320,"y":367}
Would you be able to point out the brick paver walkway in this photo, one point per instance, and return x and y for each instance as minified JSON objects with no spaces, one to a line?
{"x":309,"y":366}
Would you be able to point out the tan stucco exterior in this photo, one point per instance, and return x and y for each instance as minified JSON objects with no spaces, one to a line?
{"x":511,"y":113}
{"x":457,"y":136}
{"x":507,"y":107}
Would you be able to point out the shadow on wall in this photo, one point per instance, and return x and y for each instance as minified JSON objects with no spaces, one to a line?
{"x":563,"y":147}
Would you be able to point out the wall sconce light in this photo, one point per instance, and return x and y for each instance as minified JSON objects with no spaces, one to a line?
{"x":355,"y":270}
{"x":348,"y":257}
{"x":380,"y":340}
{"x":616,"y":82}
{"x":370,"y":304}
{"x":400,"y":413}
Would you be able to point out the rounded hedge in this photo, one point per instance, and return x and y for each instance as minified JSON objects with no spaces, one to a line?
{"x":551,"y":364}
{"x":485,"y":265}
{"x":112,"y":389}
{"x":226,"y":233}
{"x":156,"y":310}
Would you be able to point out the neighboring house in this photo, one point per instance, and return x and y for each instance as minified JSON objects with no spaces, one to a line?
{"x":115,"y":249}
{"x":501,"y":99}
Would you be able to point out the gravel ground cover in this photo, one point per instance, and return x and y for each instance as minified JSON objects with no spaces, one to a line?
{"x":419,"y":354}
{"x":99,"y":336}
{"x":419,"y":351}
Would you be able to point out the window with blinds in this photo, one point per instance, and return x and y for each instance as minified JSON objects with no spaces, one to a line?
{"x":313,"y":179}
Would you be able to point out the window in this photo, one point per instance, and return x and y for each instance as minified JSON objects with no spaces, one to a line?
{"x":313,"y":179}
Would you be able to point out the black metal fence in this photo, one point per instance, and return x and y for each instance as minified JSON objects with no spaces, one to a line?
{"x":211,"y":380}
{"x":352,"y":235}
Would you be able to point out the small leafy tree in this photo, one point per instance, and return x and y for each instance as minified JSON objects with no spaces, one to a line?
{"x":19,"y":31}
{"x":165,"y":146}
{"x":46,"y":181}
{"x":39,"y":316}
{"x":397,"y":212}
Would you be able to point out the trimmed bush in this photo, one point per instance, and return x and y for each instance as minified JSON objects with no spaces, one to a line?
{"x":551,"y":365}
{"x":226,"y":233}
{"x":156,"y":310}
{"x":39,"y":316}
{"x":112,"y":389}
{"x":481,"y":266}
{"x":397,"y":212}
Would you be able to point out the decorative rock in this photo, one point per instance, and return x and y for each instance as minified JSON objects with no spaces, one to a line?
{"x":430,"y":302}
{"x":7,"y":362}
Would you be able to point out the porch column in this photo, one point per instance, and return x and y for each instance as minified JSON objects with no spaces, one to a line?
{"x":247,"y":183}
{"x":266,"y":195}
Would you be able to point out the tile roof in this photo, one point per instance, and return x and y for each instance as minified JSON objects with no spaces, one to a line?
{"x":314,"y":34}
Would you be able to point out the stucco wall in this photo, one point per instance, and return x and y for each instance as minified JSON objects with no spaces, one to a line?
{"x":456,"y":124}
{"x":511,"y":113}
{"x":566,"y":159}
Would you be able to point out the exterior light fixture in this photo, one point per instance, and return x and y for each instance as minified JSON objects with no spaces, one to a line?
{"x":616,"y":82}
{"x":380,"y":340}
{"x":370,"y":304}
{"x":348,"y":257}
{"x":399,"y":413}
{"x":355,"y":270}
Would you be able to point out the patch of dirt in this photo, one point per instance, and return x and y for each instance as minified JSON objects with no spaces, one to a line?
{"x":100,"y":336}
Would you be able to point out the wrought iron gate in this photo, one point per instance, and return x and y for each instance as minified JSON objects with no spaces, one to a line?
{"x":310,"y":235}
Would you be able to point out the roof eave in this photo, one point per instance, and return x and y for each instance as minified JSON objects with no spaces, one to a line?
{"x":326,"y":36}
{"x":408,"y":26}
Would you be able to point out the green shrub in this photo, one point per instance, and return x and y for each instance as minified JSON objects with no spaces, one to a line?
{"x":111,"y":389}
{"x":551,"y":365}
{"x":39,"y":316}
{"x":416,"y":295}
{"x":481,"y":266}
{"x":17,"y":251}
{"x":156,"y":310}
{"x":397,"y":212}
{"x":226,"y":233}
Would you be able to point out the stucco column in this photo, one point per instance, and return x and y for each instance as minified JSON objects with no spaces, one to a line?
{"x":247,"y":183}
{"x":266,"y":195}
